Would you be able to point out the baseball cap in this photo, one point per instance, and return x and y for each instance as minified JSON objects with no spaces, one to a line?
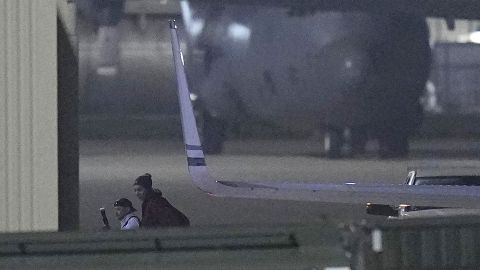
{"x":124,"y":202}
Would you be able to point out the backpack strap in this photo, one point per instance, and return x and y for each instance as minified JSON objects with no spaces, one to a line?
{"x":138,"y":219}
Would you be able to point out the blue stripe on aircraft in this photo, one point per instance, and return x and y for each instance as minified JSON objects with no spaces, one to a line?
{"x":193,"y":147}
{"x":196,"y":161}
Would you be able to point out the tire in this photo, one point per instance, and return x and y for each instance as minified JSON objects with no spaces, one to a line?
{"x":333,"y":142}
{"x":393,"y":145}
{"x":358,"y":140}
{"x":213,"y":134}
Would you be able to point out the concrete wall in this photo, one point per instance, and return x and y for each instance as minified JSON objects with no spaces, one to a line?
{"x":28,"y":116}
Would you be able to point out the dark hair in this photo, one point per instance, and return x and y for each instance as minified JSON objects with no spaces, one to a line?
{"x":144,"y":180}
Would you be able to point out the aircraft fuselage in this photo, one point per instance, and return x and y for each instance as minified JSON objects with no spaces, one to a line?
{"x":327,"y":69}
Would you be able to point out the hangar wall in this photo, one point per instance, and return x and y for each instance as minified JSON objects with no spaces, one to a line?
{"x":28,"y":116}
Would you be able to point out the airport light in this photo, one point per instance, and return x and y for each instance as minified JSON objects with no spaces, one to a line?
{"x":475,"y":37}
{"x":194,"y":26}
{"x":239,"y":32}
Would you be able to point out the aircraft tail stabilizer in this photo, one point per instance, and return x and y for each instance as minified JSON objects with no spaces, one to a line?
{"x":439,"y":196}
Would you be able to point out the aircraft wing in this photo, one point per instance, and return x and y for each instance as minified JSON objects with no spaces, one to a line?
{"x":441,"y":196}
{"x":450,"y":9}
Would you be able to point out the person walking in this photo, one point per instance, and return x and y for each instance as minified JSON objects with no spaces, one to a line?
{"x":156,"y":210}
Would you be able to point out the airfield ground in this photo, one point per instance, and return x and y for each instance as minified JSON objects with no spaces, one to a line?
{"x":108,"y":168}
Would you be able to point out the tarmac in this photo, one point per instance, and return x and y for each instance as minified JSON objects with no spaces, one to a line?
{"x":109,"y":167}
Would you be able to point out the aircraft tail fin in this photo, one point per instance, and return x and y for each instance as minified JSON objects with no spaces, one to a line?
{"x":195,"y":157}
{"x":441,"y":196}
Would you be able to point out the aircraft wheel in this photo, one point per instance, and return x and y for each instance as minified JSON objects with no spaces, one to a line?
{"x":359,"y":138}
{"x":393,"y":145}
{"x":333,"y":142}
{"x":213,"y":132}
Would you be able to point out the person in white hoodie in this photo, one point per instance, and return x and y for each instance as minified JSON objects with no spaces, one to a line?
{"x":125,"y":212}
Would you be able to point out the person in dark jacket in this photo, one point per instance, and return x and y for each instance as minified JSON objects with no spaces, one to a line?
{"x":156,"y":210}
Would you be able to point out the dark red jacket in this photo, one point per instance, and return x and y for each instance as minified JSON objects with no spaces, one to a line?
{"x":158,"y":212}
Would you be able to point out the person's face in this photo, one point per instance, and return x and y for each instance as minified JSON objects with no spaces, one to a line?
{"x":121,"y":211}
{"x":140,"y":191}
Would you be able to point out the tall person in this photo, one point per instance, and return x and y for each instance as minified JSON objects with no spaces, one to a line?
{"x":156,"y":210}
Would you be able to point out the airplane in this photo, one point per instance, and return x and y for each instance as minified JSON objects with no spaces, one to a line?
{"x":325,"y":65}
{"x":347,"y":80}
{"x":353,"y":193}
{"x":448,"y":9}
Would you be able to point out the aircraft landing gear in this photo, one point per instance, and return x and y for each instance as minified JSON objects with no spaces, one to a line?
{"x":333,"y":141}
{"x":393,"y":145}
{"x":345,"y":142}
{"x":213,"y":134}
{"x":358,"y":140}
